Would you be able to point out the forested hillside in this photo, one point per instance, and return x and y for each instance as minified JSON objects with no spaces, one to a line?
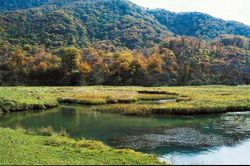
{"x":11,"y":5}
{"x":115,"y":42}
{"x":81,"y":24}
{"x":199,"y":24}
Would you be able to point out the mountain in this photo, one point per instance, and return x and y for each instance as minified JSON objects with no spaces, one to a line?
{"x":58,"y":23}
{"x":199,"y":24}
{"x":116,"y":42}
{"x":11,"y":5}
{"x":80,"y":23}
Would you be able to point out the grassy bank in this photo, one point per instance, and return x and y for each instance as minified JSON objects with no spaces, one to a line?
{"x":124,"y":100}
{"x":17,"y":147}
{"x":26,"y":98}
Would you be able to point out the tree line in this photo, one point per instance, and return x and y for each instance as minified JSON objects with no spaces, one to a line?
{"x":174,"y":61}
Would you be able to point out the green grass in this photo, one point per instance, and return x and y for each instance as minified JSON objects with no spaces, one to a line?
{"x":17,"y":147}
{"x":26,"y":98}
{"x":123,"y":100}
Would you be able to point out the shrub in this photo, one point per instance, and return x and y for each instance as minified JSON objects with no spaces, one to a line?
{"x":45,"y":131}
{"x":63,"y":133}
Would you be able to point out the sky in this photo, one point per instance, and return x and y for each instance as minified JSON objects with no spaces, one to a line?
{"x":238,"y":10}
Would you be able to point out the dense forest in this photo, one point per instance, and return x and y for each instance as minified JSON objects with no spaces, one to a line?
{"x":199,"y":24}
{"x":115,"y":42}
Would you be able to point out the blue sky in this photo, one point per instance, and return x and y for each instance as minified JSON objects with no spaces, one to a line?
{"x":238,"y":10}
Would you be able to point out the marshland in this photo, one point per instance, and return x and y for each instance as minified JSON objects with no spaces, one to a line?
{"x":138,"y":101}
{"x":163,"y":125}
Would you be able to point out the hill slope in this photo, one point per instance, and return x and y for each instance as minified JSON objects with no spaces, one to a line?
{"x":117,"y":43}
{"x":198,"y":24}
{"x":56,"y":23}
{"x":82,"y":23}
{"x":11,"y":5}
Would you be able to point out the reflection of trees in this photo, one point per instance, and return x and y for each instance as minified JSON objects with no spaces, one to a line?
{"x":14,"y":119}
{"x":70,"y":118}
{"x":67,"y":118}
{"x":80,"y":121}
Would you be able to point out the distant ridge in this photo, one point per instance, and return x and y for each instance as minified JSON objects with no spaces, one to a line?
{"x":155,"y":23}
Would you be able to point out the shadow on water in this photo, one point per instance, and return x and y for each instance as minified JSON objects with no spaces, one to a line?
{"x":180,"y":139}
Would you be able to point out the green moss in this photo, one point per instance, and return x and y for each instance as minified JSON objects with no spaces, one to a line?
{"x":20,"y":148}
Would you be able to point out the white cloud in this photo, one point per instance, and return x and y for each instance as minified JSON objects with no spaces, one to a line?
{"x":238,"y":10}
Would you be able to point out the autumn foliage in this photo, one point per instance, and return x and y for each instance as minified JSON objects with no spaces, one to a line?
{"x":175,"y":61}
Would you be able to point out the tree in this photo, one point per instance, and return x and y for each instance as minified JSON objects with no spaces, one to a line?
{"x":138,"y":68}
{"x":70,"y":59}
{"x":155,"y":70}
{"x":45,"y":69}
{"x":120,"y":68}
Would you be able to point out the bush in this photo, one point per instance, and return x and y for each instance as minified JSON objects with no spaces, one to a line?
{"x":63,"y":133}
{"x":45,"y":131}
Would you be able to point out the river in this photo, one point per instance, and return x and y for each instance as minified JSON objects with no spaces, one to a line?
{"x":205,"y":139}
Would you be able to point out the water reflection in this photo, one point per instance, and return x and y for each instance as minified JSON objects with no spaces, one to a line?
{"x":80,"y":122}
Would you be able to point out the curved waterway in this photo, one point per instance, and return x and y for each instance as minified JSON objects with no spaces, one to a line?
{"x":206,"y":139}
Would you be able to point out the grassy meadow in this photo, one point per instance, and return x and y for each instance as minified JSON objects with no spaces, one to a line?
{"x":130,"y":100}
{"x":25,"y":147}
{"x":43,"y":146}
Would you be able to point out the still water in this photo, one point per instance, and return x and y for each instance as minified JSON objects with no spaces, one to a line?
{"x":206,"y":139}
